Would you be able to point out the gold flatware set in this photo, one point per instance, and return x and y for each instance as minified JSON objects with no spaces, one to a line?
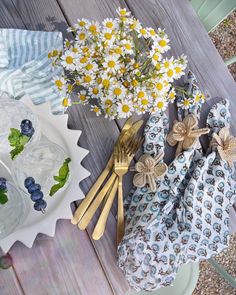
{"x":125,"y":148}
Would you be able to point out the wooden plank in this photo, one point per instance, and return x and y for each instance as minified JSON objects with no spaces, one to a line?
{"x":9,"y":284}
{"x":89,"y":124}
{"x":9,"y":16}
{"x":64,"y":264}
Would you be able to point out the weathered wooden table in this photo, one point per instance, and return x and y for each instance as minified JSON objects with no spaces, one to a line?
{"x":71,"y":262}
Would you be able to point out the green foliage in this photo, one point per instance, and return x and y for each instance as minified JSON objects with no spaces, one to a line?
{"x":18,"y":141}
{"x":3,"y":197}
{"x":62,"y":177}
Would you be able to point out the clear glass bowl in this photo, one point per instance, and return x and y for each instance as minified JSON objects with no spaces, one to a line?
{"x":42,"y":161}
{"x":12,"y":112}
{"x":14,"y":212}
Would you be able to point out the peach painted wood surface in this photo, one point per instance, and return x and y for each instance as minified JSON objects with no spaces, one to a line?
{"x":71,"y":262}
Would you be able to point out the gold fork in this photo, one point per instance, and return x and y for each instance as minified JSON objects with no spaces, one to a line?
{"x":129,"y":130}
{"x":101,"y":224}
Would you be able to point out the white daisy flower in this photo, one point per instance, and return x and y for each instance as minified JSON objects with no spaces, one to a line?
{"x":111,"y":63}
{"x":66,"y":102}
{"x":134,"y":24}
{"x":108,"y":37}
{"x":83,"y":97}
{"x":125,"y":109}
{"x":110,"y":24}
{"x":96,"y":110}
{"x":123,"y":12}
{"x":185,"y":103}
{"x":160,"y":104}
{"x":68,"y":60}
{"x":161,"y":42}
{"x":155,"y":56}
{"x":127,"y":46}
{"x":60,"y":83}
{"x":94,"y":92}
{"x":172,"y":95}
{"x":161,"y":86}
{"x":198,"y":97}
{"x":118,"y":90}
{"x":81,"y":23}
{"x":142,"y":32}
{"x":178,"y":70}
{"x":91,"y":66}
{"x":81,"y":37}
{"x":93,"y":27}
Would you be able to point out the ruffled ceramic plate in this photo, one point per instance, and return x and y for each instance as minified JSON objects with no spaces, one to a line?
{"x":55,"y":128}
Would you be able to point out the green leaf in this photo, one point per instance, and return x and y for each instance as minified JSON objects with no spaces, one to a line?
{"x":16,"y":151}
{"x":14,"y":136}
{"x":61,"y":178}
{"x":3,"y":197}
{"x":55,"y":188}
{"x":57,"y":178}
{"x":23,"y":139}
{"x":64,"y":170}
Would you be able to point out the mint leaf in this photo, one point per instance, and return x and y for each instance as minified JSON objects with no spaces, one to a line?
{"x":23,"y":139}
{"x":14,"y":136}
{"x":18,"y":141}
{"x":55,"y":188}
{"x":16,"y":151}
{"x":64,"y":170}
{"x":3,"y":197}
{"x":61,"y":178}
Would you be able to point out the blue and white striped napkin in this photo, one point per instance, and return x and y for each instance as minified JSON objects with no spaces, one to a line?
{"x":25,"y":67}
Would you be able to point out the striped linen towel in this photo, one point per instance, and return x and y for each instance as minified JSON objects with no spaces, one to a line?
{"x":25,"y":67}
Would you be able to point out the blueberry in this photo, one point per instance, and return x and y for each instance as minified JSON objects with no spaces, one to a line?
{"x":27,"y":128}
{"x":3,"y":185}
{"x":36,"y":195}
{"x":40,"y":205}
{"x":29,"y":181}
{"x":34,"y":187}
{"x":26,"y":123}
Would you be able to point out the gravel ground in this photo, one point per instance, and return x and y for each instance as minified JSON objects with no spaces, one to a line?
{"x":224,"y":38}
{"x":210,"y":282}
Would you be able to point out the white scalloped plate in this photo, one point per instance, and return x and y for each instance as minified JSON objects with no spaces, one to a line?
{"x":55,"y":128}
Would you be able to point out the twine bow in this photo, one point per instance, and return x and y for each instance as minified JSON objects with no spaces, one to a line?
{"x":226,"y":145}
{"x":185,"y":133}
{"x":149,"y":169}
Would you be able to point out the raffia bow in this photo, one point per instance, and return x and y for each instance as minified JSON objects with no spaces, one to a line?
{"x":226,"y":145}
{"x":185,"y":133}
{"x":149,"y":169}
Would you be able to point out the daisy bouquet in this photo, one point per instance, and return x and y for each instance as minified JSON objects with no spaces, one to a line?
{"x":118,"y":67}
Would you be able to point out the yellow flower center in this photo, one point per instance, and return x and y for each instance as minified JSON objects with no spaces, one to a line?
{"x":70,"y":87}
{"x":83,"y":60}
{"x":123,"y":12}
{"x":89,"y":67}
{"x":134,"y":83}
{"x":158,"y":66}
{"x":143,"y":32}
{"x":186,"y":102}
{"x":108,"y":102}
{"x":128,"y":46}
{"x":59,"y":83}
{"x":95,"y":91}
{"x":162,"y":43}
{"x":172,"y":95}
{"x":111,"y":64}
{"x":154,"y":95}
{"x":160,"y":104}
{"x":87,"y":79}
{"x":99,"y":80}
{"x":136,"y":65}
{"x":65,"y":102}
{"x":144,"y":102}
{"x":118,"y":50}
{"x":197,"y":98}
{"x":155,"y":57}
{"x":82,"y":97}
{"x":81,"y":23}
{"x":109,"y":25}
{"x":141,"y":94}
{"x":178,"y":70}
{"x":126,"y":84}
{"x":93,"y":28}
{"x":54,"y":52}
{"x":108,"y":36}
{"x":82,"y":36}
{"x":117,"y":91}
{"x":106,"y":83}
{"x":123,"y":70}
{"x":69,"y":60}
{"x":159,"y":86}
{"x":67,"y":43}
{"x":96,"y":109}
{"x":125,"y":108}
{"x":170,"y":73}
{"x":152,"y":32}
{"x":166,"y":64}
